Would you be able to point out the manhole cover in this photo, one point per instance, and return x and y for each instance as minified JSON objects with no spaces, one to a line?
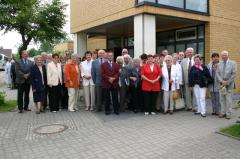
{"x":50,"y":129}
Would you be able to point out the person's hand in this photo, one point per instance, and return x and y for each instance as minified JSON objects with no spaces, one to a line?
{"x":190,"y":88}
{"x":26,"y":76}
{"x":34,"y":90}
{"x":133,"y":78}
{"x":71,"y":83}
{"x":170,"y":81}
{"x":224,"y":83}
{"x":50,"y":85}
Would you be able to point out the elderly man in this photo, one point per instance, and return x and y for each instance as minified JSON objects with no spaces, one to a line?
{"x":127,"y":71}
{"x":97,"y":77}
{"x":23,"y":68}
{"x":226,"y":73}
{"x":165,"y":52}
{"x":186,"y":64}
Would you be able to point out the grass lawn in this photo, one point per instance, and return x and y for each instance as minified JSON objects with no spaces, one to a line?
{"x":9,"y":105}
{"x":233,"y":130}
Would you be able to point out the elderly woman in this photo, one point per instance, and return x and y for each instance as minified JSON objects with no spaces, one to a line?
{"x":150,"y":74}
{"x":135,"y":87}
{"x":72,"y":73}
{"x":170,"y":83}
{"x":54,"y":78}
{"x":198,"y":79}
{"x":38,"y":78}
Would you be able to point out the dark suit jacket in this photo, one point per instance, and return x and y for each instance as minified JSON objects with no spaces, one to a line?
{"x":108,"y":72}
{"x":20,"y":71}
{"x":36,"y":78}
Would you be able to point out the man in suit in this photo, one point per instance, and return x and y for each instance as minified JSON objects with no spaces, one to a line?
{"x":226,"y":73}
{"x":97,"y":78}
{"x":110,"y":75}
{"x":23,"y":69}
{"x":186,"y":64}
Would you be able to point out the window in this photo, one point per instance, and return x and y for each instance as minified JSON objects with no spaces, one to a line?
{"x":180,"y":47}
{"x":200,"y":6}
{"x":186,"y":34}
{"x":197,"y":5}
{"x":173,"y":3}
{"x":112,"y":43}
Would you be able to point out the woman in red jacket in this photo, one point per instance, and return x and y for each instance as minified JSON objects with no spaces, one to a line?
{"x":150,"y":74}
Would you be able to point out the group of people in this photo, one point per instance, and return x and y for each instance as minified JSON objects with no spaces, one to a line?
{"x":148,"y":84}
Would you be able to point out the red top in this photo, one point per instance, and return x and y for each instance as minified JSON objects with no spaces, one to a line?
{"x":72,"y":74}
{"x":151,"y":75}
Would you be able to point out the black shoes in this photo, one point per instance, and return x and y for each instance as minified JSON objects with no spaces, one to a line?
{"x":20,"y":111}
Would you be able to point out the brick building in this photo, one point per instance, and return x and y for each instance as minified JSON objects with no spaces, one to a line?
{"x":152,"y":25}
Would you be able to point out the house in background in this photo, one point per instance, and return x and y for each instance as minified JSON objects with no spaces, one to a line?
{"x":6,"y":52}
{"x":149,"y":26}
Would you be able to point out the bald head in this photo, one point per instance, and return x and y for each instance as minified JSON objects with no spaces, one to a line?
{"x":224,"y":55}
{"x":101,"y":53}
{"x":124,"y":52}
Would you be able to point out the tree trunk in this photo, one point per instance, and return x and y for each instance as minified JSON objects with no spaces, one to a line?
{"x":25,"y":44}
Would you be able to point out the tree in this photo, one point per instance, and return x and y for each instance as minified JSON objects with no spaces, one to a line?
{"x":33,"y":52}
{"x":33,"y":19}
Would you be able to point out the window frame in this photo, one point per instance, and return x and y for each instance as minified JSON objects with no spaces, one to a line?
{"x":156,"y":4}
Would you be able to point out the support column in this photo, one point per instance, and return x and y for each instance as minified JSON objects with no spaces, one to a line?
{"x":144,"y":34}
{"x":80,"y":43}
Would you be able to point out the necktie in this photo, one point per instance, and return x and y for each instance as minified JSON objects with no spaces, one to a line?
{"x":101,"y":60}
{"x":189,"y":65}
{"x":224,"y":68}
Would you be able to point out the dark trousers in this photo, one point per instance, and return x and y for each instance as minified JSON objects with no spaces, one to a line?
{"x":54,"y":97}
{"x":23,"y":90}
{"x":98,"y":97}
{"x":123,"y":96}
{"x":136,"y":102}
{"x":46,"y":96}
{"x":150,"y":100}
{"x":108,"y":93}
{"x":64,"y":97}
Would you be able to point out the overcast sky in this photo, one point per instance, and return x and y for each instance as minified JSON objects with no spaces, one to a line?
{"x":12,"y":40}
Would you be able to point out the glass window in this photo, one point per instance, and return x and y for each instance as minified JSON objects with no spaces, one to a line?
{"x":112,"y":43}
{"x":201,"y":48}
{"x":197,"y":5}
{"x":160,"y":49}
{"x":130,"y":41}
{"x":186,"y":34}
{"x":173,"y":3}
{"x":171,"y":49}
{"x":201,"y":32}
{"x":180,"y":47}
{"x":192,"y":45}
{"x":153,"y":1}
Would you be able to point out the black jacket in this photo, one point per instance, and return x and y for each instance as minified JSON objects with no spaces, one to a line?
{"x":198,"y":76}
{"x":36,"y":78}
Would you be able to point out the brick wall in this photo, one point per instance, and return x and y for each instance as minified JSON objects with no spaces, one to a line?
{"x":223,"y":31}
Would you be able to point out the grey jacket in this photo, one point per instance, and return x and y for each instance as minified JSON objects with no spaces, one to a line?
{"x":229,"y":75}
{"x":185,"y":73}
{"x":214,"y":86}
{"x":20,"y":71}
{"x":96,"y":72}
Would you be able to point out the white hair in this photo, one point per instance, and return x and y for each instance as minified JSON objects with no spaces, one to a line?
{"x":190,"y":49}
{"x":168,"y":57}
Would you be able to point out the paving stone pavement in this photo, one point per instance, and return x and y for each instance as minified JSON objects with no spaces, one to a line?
{"x":128,"y":136}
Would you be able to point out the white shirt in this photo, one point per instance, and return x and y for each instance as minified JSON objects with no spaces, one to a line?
{"x":86,"y":67}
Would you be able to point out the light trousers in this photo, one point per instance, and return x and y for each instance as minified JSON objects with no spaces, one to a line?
{"x":190,"y":98}
{"x":89,"y":94}
{"x":226,"y":102}
{"x":200,"y":94}
{"x":72,"y":98}
{"x":168,"y":100}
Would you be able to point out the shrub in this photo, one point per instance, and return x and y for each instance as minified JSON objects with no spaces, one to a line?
{"x":2,"y":98}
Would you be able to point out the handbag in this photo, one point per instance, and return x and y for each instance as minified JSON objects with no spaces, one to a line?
{"x":175,"y":94}
{"x":179,"y":102}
